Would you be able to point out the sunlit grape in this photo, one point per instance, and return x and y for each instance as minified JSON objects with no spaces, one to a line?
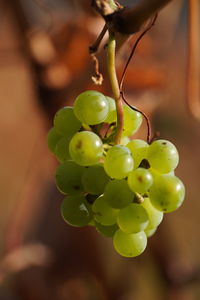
{"x":139,"y":151}
{"x":129,"y":245}
{"x":133,"y":218}
{"x":118,"y":162}
{"x":112,"y":115}
{"x":91,"y":107}
{"x":140,"y":180}
{"x":163,"y":156}
{"x":132,"y":121}
{"x":86,"y":148}
{"x":155,"y":216}
{"x":167,"y":193}
{"x":103,"y":213}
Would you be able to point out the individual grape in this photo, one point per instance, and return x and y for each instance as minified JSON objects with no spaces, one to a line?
{"x":140,"y":180}
{"x":163,"y":156}
{"x":112,"y":115}
{"x":118,"y":194}
{"x":150,"y":232}
{"x":94,"y":180}
{"x":86,"y":148}
{"x":155,"y":216}
{"x":62,"y":149}
{"x":129,"y":245}
{"x":76,"y":211}
{"x":167,"y":193}
{"x":133,"y":218}
{"x":91,"y":107}
{"x":139,"y":151}
{"x":107,"y":231}
{"x":52,"y":139}
{"x":124,"y":141}
{"x":68,"y":178}
{"x":103,"y":213}
{"x":132,"y":121}
{"x":65,"y":121}
{"x":118,"y":162}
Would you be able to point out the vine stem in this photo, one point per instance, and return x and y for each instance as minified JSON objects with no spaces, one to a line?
{"x":111,"y":49}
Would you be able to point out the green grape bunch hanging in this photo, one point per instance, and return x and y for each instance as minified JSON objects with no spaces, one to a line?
{"x":123,"y":189}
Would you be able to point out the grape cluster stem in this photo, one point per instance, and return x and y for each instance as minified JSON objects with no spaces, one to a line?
{"x":111,"y":49}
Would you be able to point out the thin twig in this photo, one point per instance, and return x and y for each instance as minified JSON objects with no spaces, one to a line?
{"x":94,"y":48}
{"x":143,"y":114}
{"x":134,"y":48}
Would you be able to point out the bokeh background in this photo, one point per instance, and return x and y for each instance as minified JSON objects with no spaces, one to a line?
{"x":44,"y":65}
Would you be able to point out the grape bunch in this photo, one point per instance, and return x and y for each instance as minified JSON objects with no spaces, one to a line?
{"x":123,"y":190}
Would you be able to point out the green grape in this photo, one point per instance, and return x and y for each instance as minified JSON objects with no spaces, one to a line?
{"x":65,"y":121}
{"x":107,"y":231}
{"x":62,"y":149}
{"x":76,"y":211}
{"x":163,"y":156}
{"x":112,"y":115}
{"x":118,"y":162}
{"x":94,"y":180}
{"x":118,"y":194}
{"x":91,"y":107}
{"x":52,"y":139}
{"x":68,"y":178}
{"x":167,"y":193}
{"x":155,"y":216}
{"x":139,"y":151}
{"x":124,"y":141}
{"x":86,"y":148}
{"x":132,"y":121}
{"x":103,"y":213}
{"x":140,"y":180}
{"x":129,"y":245}
{"x":133,"y":218}
{"x":150,"y":232}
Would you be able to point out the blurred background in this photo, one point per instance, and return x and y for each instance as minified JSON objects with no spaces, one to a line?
{"x":44,"y":65}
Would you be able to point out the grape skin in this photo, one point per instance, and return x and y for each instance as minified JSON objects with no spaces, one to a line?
{"x":91,"y":107}
{"x":107,"y":231}
{"x":133,"y":218}
{"x":52,"y":139}
{"x":118,"y":162}
{"x":118,"y":194}
{"x":139,"y":151}
{"x":155,"y":216}
{"x":76,"y":211}
{"x":65,"y":121}
{"x":132,"y":121}
{"x":86,"y":148}
{"x":129,"y":245}
{"x":94,"y":180}
{"x":140,"y":180}
{"x":103,"y":213}
{"x":112,"y":114}
{"x":163,"y":156}
{"x":68,"y":178}
{"x":167,"y":193}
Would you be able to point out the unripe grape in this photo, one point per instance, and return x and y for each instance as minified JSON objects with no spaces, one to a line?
{"x":86,"y":148}
{"x":65,"y":121}
{"x":91,"y":107}
{"x":163,"y":156}
{"x":129,"y":245}
{"x":76,"y":211}
{"x":167,"y":193}
{"x":118,"y":162}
